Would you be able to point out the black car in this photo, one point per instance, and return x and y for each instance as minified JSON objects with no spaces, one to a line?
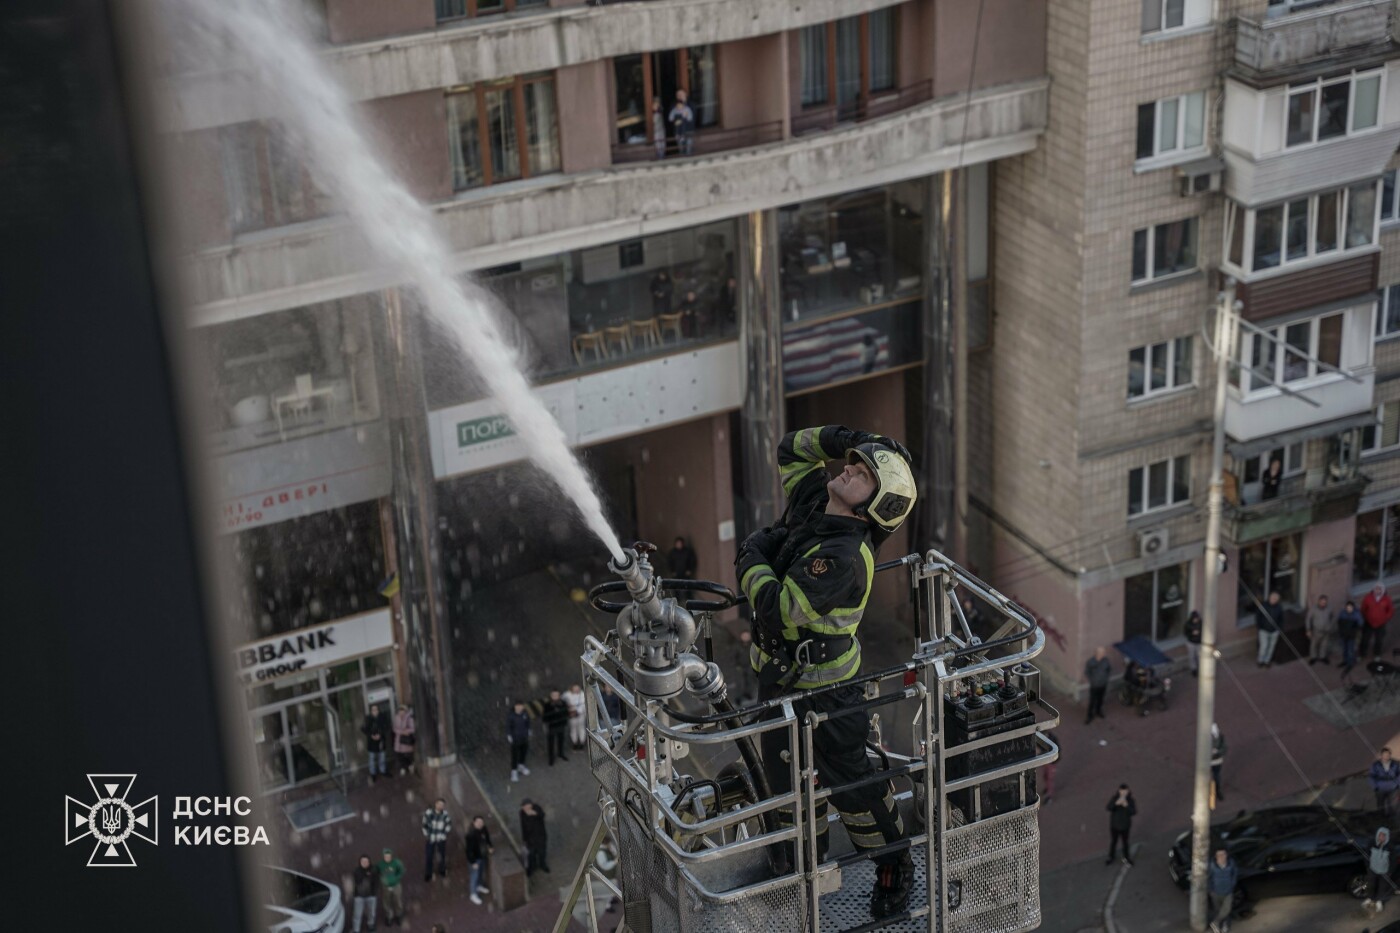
{"x":1284,"y":851}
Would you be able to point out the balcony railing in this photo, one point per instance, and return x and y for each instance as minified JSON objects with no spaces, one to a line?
{"x":1298,"y":506}
{"x":1278,"y":43}
{"x":813,"y":119}
{"x":706,"y":142}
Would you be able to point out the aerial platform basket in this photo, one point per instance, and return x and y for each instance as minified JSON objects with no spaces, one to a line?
{"x":693,"y":836}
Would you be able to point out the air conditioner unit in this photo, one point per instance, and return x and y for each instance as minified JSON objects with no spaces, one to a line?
{"x":1152,"y":543}
{"x":1201,"y":177}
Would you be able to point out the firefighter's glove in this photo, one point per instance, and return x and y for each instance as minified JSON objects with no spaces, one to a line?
{"x":759,"y":548}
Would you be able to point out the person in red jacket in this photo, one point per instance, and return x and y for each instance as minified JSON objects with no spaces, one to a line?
{"x":1376,"y":610}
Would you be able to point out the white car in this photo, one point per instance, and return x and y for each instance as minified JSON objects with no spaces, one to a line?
{"x":302,"y":904}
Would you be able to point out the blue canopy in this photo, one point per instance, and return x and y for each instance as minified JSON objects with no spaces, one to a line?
{"x":1139,"y":648}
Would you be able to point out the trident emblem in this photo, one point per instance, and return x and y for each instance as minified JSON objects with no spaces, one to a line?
{"x":111,"y":820}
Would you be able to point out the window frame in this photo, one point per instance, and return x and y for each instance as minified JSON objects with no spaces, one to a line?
{"x":1151,"y":276}
{"x":1315,"y":88}
{"x":1393,"y":216}
{"x":1201,"y":9}
{"x":1144,"y":483}
{"x":1236,"y":213}
{"x":1315,"y":376}
{"x":521,"y":129}
{"x":1172,"y":349}
{"x":1160,"y":156}
{"x":865,"y":93}
{"x":1377,"y":431}
{"x":471,"y":9}
{"x":1383,"y":299}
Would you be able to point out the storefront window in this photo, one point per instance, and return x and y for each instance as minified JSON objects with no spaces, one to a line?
{"x":851,"y":251}
{"x":608,"y":304}
{"x":291,"y":374}
{"x":1155,"y":603}
{"x":305,"y":571}
{"x":342,"y":674}
{"x":1265,"y":567}
{"x":378,"y":664}
{"x":1377,"y":547}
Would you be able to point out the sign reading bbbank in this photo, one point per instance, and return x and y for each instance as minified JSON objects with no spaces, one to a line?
{"x":111,"y":820}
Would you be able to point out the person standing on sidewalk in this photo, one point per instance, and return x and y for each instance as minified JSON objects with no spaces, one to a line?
{"x":437,"y":823}
{"x":1222,"y":877}
{"x":1217,"y":759}
{"x":1270,"y":624}
{"x":405,"y":738}
{"x":479,"y":849}
{"x":1321,"y":625}
{"x":1349,"y":623}
{"x":391,"y":887}
{"x":518,"y":735}
{"x":1121,"y":810}
{"x":376,"y":729}
{"x":534,"y":837}
{"x":1379,"y":884}
{"x":578,"y":723}
{"x":556,"y":724}
{"x":1098,"y":670}
{"x":1385,"y":778}
{"x":1193,"y":641}
{"x":1376,"y":610}
{"x":366,"y":893}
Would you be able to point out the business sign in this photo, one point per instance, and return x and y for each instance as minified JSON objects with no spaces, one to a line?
{"x":321,"y":645}
{"x":477,"y":436}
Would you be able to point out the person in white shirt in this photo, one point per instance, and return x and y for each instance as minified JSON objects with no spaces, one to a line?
{"x":574,"y":699}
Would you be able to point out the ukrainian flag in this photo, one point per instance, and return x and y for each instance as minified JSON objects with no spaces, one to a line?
{"x":390,"y":587}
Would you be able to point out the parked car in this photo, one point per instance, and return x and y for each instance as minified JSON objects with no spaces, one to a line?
{"x":1282,"y":851}
{"x":302,"y":904}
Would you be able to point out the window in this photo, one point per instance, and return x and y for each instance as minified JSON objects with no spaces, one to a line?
{"x":1160,"y":367}
{"x":630,"y":254}
{"x":1171,"y":125}
{"x":502,"y":131}
{"x":456,"y":9}
{"x":1390,"y":204}
{"x":1384,"y":435}
{"x":1166,"y":15}
{"x":846,"y":61}
{"x":1159,"y":485}
{"x":1377,"y":546}
{"x":1251,"y":471}
{"x":1154,"y":603}
{"x":265,"y":183}
{"x":1388,"y":312}
{"x":1302,"y":229}
{"x":1291,"y":352}
{"x":1328,"y":109}
{"x":639,"y":81}
{"x":1163,"y":250}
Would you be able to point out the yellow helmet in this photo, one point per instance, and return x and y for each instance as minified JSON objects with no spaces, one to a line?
{"x":895,"y":492}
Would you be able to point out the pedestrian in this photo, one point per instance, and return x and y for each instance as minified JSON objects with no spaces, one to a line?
{"x":662,"y":288}
{"x":479,"y":850}
{"x":376,"y":730}
{"x":1270,"y":623}
{"x":1379,"y":885}
{"x":612,"y":704}
{"x":727,"y":304}
{"x":682,"y":118}
{"x":1221,"y":881}
{"x":1385,"y":778}
{"x":1217,"y":759}
{"x":658,"y":127}
{"x":391,"y":887}
{"x":972,"y":614}
{"x":1098,"y":669}
{"x":744,"y":684}
{"x":405,"y":738}
{"x":366,"y":893}
{"x":1271,"y":480}
{"x":1376,"y":610}
{"x":578,"y":723}
{"x":1194,"y":627}
{"x":556,"y":724}
{"x":1349,"y":624}
{"x":534,"y":837}
{"x":1121,"y":810}
{"x":437,"y":823}
{"x":680,"y":561}
{"x":518,"y":735}
{"x":1320,"y":624}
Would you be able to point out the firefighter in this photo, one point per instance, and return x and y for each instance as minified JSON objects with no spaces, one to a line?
{"x":808,"y":579}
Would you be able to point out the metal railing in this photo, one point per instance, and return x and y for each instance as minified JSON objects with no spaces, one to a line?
{"x":826,"y":117}
{"x":704,"y":142}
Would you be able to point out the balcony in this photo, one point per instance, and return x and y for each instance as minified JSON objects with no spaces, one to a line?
{"x":815,"y":119}
{"x":1355,"y":277}
{"x":324,"y":260}
{"x":1281,"y":44}
{"x":1303,"y":501}
{"x":706,"y":142}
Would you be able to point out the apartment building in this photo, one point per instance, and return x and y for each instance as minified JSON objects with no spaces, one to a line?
{"x":678,"y":299}
{"x":1189,"y":143}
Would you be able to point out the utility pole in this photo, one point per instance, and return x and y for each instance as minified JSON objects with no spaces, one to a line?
{"x":1205,"y":697}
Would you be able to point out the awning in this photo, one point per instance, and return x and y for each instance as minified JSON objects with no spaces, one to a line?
{"x":1244,"y":449}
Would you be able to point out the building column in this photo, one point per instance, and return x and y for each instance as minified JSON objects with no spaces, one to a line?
{"x":424,"y":620}
{"x":942,"y":455}
{"x":761,"y":349}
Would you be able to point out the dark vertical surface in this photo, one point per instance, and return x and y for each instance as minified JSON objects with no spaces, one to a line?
{"x":934,"y":518}
{"x":761,"y":350}
{"x":112,"y":669}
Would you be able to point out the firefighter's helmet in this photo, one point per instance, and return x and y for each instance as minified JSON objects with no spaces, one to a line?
{"x":895,"y":492}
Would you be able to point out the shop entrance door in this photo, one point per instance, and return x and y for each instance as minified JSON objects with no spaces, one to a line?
{"x":296,"y":742}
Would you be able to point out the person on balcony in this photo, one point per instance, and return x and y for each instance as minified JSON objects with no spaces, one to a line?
{"x":1271,"y":479}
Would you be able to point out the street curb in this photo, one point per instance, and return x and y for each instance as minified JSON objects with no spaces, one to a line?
{"x":1108,"y":922}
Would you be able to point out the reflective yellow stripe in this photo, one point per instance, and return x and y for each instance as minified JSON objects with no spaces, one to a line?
{"x":794,"y":473}
{"x":755,"y":577}
{"x":807,"y":444}
{"x":796,"y":608}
